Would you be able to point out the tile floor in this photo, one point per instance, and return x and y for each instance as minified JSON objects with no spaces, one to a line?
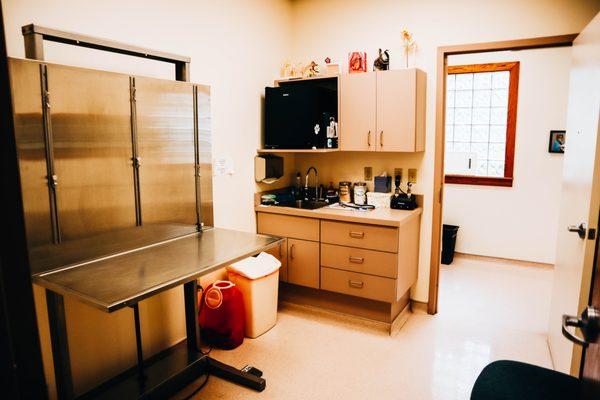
{"x":489,"y":310}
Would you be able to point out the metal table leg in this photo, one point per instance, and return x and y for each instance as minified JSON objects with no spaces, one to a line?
{"x":138,"y":341}
{"x":60,"y":345}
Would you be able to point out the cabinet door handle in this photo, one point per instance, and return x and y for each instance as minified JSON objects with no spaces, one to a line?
{"x":358,"y":235}
{"x":292,"y":252}
{"x":369,"y":138}
{"x":355,"y":284}
{"x":357,"y":260}
{"x":381,"y":138}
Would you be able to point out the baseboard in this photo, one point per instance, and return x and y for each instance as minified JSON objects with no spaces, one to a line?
{"x":418,"y":307}
{"x":400,"y":320}
{"x":500,"y":260}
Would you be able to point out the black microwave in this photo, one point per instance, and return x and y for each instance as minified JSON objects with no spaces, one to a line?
{"x":297,"y":116}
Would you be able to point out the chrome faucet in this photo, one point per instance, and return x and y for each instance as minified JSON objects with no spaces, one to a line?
{"x":316,"y":183}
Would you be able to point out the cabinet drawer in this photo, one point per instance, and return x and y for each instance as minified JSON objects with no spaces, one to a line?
{"x":361,"y":285}
{"x":288,"y":226}
{"x":358,"y":235}
{"x":359,"y":260}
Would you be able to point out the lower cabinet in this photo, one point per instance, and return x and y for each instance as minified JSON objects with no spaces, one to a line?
{"x":280,"y":252}
{"x":303,"y":263}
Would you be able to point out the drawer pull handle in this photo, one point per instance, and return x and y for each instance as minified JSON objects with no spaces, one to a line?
{"x":358,"y":235}
{"x":357,"y":260}
{"x":355,"y":284}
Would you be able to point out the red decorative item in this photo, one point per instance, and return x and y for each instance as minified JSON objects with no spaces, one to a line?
{"x":357,"y":61}
{"x":221,"y":316}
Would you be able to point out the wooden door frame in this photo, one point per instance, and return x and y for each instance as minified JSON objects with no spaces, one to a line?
{"x":440,"y":107}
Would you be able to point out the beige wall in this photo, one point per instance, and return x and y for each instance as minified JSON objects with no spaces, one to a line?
{"x":519,"y":222}
{"x":237,"y":48}
{"x":335,"y":27}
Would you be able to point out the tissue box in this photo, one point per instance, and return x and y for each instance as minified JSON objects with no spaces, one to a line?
{"x":383,"y":184}
{"x":379,"y":200}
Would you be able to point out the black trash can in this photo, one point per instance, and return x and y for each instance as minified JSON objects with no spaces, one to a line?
{"x":448,"y":243}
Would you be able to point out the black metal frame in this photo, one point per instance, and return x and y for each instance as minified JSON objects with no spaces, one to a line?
{"x":34,"y":36}
{"x":165,"y":374}
{"x":21,"y":369}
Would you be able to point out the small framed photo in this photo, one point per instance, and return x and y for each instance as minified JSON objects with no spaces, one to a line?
{"x":557,"y":142}
{"x":357,"y":62}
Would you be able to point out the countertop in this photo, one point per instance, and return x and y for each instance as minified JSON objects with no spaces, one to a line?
{"x":378,"y":216}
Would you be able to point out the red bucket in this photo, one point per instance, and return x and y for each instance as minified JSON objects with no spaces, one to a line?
{"x":221,"y":316}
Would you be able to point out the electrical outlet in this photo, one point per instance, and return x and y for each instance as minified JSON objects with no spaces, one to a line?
{"x":397,"y":171}
{"x":368,"y":173}
{"x":412,"y":175}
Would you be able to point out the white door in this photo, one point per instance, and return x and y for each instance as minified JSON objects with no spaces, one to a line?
{"x":580,"y":200}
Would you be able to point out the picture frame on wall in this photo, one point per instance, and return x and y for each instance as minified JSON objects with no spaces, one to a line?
{"x":556,"y":143}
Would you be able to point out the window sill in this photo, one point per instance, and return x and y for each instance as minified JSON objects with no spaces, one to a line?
{"x":478,"y":180}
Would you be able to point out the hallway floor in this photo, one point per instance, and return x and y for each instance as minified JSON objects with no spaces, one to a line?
{"x":489,"y":309}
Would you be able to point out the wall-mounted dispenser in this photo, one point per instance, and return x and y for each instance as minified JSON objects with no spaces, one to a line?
{"x":268,"y":168}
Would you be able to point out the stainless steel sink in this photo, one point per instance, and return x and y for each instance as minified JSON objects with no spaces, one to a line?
{"x":305,"y":204}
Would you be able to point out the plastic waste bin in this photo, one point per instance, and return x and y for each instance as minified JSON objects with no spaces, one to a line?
{"x":448,"y":243}
{"x":258,"y":280}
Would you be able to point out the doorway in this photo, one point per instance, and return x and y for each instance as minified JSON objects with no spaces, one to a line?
{"x":442,"y":64}
{"x":503,"y":183}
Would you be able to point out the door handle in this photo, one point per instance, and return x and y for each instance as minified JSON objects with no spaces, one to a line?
{"x":292,"y":252}
{"x":369,"y":139}
{"x":381,"y":138}
{"x":589,"y":323}
{"x":580,"y":229}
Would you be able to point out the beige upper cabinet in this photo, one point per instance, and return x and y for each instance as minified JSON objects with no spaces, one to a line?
{"x":401,"y":110}
{"x":383,"y":111}
{"x":358,"y":111}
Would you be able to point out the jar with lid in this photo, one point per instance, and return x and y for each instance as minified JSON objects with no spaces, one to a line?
{"x":345,"y":191}
{"x":360,"y":193}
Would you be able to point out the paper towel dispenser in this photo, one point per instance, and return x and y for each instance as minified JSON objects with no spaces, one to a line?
{"x":268,"y":168}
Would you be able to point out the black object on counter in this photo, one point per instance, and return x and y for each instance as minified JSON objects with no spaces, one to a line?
{"x":403,"y":201}
{"x":383,"y":184}
{"x":449,"y":243}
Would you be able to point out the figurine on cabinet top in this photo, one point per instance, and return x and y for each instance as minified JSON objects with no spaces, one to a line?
{"x":408,"y":43}
{"x":382,"y":63}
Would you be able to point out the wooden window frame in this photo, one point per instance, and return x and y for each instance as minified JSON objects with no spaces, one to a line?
{"x":511,"y":124}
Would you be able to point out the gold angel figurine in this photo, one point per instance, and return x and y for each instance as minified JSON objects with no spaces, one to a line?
{"x":408,"y":44}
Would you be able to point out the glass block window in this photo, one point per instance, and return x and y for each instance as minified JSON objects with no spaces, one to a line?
{"x":479,"y":125}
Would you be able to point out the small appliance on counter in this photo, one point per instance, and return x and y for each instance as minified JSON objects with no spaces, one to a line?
{"x":401,"y":200}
